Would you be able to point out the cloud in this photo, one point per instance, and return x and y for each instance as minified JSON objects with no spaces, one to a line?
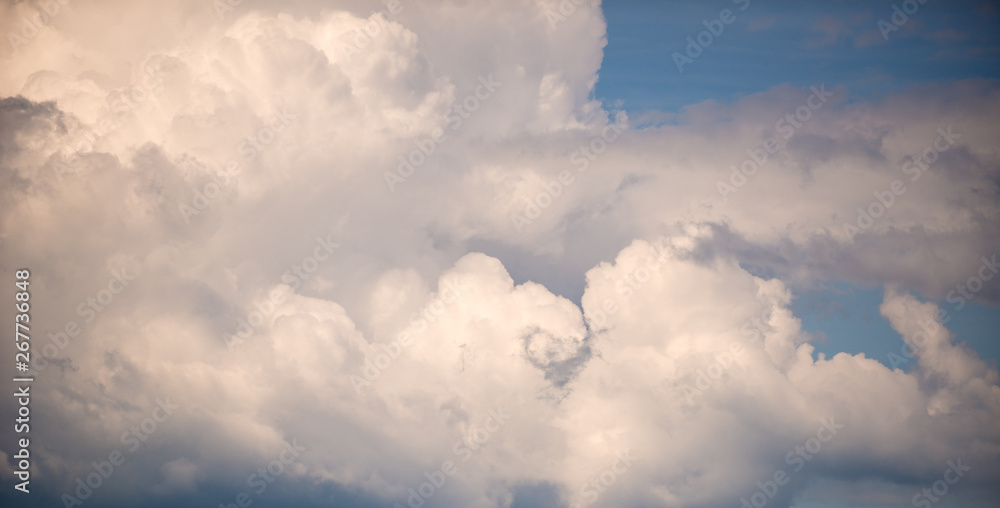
{"x":641,"y":312}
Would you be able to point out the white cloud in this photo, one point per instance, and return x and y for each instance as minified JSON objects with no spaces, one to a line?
{"x":582,"y":383}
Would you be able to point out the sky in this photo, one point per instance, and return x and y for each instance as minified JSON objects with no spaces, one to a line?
{"x":500,"y":254}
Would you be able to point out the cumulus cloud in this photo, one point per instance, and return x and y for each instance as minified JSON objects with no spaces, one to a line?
{"x":207,"y":220}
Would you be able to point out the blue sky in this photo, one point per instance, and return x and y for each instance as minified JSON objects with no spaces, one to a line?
{"x":785,"y":42}
{"x":847,"y":317}
{"x":800,"y":44}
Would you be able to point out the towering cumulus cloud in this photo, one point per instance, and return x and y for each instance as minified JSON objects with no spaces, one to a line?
{"x":397,"y":254}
